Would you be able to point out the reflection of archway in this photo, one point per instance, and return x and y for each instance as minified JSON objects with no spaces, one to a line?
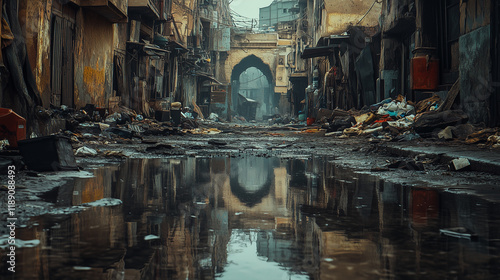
{"x":251,"y":179}
{"x":247,"y":62}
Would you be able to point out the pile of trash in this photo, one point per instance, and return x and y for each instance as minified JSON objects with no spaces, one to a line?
{"x":402,"y":120}
{"x":91,"y":125}
{"x":388,"y":120}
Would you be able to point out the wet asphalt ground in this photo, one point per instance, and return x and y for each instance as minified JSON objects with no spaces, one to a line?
{"x":249,"y":189}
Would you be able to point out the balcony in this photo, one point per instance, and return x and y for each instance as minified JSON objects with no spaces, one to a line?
{"x":113,"y":10}
{"x":148,"y":8}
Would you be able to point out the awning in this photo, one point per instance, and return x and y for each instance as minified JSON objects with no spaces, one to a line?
{"x":317,"y":51}
{"x":244,"y":99}
{"x":176,"y":46}
{"x":148,"y":49}
{"x":210,"y":77}
{"x":333,"y":40}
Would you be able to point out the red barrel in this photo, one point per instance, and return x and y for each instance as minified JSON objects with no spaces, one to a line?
{"x":425,"y":69}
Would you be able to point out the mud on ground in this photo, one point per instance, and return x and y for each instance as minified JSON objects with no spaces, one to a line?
{"x":33,"y":189}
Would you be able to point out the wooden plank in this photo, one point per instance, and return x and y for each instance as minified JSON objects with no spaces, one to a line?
{"x":218,"y":97}
{"x":450,"y":98}
{"x":56,"y":62}
{"x":68,"y":68}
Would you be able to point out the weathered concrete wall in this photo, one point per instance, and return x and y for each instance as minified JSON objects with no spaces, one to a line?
{"x":340,"y":14}
{"x":392,"y":10}
{"x":35,"y":19}
{"x":93,"y":59}
{"x":263,"y":46}
{"x":183,"y":15}
{"x":475,"y":78}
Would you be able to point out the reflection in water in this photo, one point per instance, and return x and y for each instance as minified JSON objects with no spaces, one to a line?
{"x":251,"y":178}
{"x":257,"y":218}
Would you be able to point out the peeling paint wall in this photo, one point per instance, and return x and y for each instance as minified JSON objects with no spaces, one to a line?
{"x":35,"y":19}
{"x":341,"y":14}
{"x":182,"y":11}
{"x":93,"y":59}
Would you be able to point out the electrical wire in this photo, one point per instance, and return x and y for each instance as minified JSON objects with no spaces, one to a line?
{"x":246,"y":82}
{"x":376,"y":1}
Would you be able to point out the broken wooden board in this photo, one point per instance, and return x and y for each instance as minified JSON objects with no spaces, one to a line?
{"x":450,"y":98}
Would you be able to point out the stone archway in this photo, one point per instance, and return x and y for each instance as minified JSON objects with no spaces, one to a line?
{"x":248,"y":62}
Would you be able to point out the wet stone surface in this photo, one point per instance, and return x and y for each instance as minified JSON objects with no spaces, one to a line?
{"x":256,"y":217}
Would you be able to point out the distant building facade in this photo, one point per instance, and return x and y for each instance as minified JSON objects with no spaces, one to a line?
{"x":279,"y":11}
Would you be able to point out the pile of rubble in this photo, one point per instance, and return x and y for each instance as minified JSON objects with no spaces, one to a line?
{"x":401,"y":120}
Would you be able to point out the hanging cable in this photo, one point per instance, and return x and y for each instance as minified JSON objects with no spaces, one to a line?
{"x":376,"y":1}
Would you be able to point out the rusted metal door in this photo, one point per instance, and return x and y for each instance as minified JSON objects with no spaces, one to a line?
{"x":62,"y":62}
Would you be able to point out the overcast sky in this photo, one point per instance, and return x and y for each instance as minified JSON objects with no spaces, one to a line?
{"x":249,"y":8}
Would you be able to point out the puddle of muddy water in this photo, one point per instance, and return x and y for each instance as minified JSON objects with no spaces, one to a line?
{"x":257,"y":218}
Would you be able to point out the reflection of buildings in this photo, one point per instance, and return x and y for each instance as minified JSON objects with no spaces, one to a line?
{"x":309,"y":216}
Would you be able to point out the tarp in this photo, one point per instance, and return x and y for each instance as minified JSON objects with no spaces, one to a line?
{"x":364,"y":67}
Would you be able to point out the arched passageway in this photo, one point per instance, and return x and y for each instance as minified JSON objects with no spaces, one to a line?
{"x":263,"y":101}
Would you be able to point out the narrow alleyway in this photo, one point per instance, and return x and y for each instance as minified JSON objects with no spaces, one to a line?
{"x":263,"y":139}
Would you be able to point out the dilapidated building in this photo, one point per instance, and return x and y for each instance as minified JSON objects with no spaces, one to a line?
{"x":455,"y":41}
{"x":141,"y":54}
{"x":363,"y":52}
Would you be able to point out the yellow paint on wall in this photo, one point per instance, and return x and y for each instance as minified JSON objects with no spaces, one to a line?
{"x":94,"y":82}
{"x":284,"y":42}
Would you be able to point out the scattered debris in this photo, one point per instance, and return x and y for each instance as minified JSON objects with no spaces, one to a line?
{"x":430,"y":121}
{"x":458,"y":232}
{"x":213,"y":117}
{"x":151,"y":237}
{"x":341,"y":123}
{"x":216,"y":142}
{"x":85,"y":151}
{"x":117,"y":154}
{"x":446,"y":134}
{"x":380,"y":169}
{"x":335,"y":133}
{"x":459,"y":164}
{"x":48,"y":153}
{"x":207,"y":131}
{"x":124,"y":133}
{"x":159,"y":147}
{"x":407,"y":165}
{"x":104,"y":202}
{"x":480,"y":136}
{"x":429,"y":104}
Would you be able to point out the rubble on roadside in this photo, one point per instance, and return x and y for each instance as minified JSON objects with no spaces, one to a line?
{"x":93,"y":126}
{"x":401,"y":120}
